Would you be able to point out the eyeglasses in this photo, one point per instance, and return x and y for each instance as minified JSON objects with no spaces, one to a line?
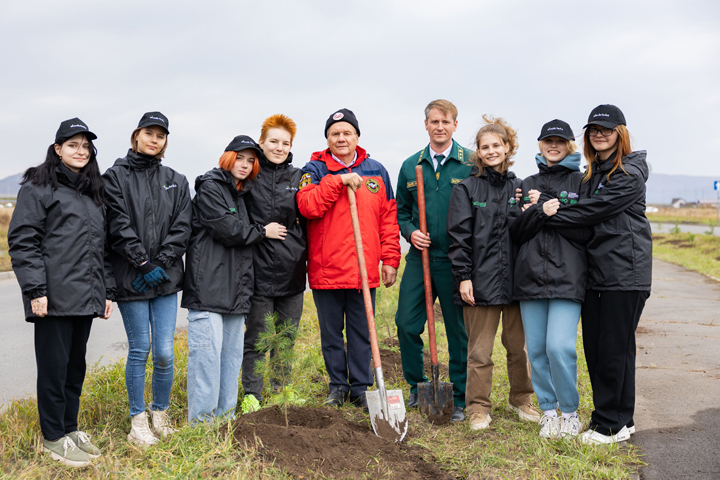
{"x":594,"y":132}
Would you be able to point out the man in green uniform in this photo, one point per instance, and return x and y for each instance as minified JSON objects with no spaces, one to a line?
{"x":444,"y":163}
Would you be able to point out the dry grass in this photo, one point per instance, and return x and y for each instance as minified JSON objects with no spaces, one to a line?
{"x":701,"y":215}
{"x":700,"y":253}
{"x":5,"y":216}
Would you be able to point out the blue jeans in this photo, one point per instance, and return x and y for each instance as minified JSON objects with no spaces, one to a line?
{"x":551,"y":334}
{"x":215,"y":343}
{"x":143,"y":318}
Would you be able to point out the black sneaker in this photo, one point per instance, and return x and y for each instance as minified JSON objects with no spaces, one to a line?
{"x":412,"y":400}
{"x":336,"y":397}
{"x":360,"y":401}
{"x":458,"y":415}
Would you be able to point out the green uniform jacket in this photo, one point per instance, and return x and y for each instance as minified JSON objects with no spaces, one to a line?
{"x":438,"y":186}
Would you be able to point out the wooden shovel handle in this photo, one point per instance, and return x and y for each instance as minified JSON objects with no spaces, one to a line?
{"x":364,"y":279}
{"x":426,"y":266}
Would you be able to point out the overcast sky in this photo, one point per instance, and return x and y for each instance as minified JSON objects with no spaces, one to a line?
{"x":218,"y":69}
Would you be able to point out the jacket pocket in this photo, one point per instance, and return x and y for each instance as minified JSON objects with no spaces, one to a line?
{"x":199,"y":329}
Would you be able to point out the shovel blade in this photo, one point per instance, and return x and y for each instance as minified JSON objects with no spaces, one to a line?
{"x":438,"y":412}
{"x":391,"y":424}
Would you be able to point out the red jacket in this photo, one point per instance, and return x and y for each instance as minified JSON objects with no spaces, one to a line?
{"x":323,"y":200}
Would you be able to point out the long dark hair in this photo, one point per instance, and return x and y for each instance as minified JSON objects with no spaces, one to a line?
{"x":44,"y":174}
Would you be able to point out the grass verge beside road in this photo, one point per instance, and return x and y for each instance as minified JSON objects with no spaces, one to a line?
{"x":508,"y":449}
{"x":698,"y":215}
{"x":5,"y":215}
{"x":695,"y":252}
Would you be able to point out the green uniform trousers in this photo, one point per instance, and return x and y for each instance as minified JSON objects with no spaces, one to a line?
{"x":411,"y":318}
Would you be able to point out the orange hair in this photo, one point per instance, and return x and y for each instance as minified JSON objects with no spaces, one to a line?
{"x":227,"y":162}
{"x":624,"y":148}
{"x":278,"y":121}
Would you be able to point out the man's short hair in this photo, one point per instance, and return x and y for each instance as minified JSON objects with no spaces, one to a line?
{"x":444,"y":106}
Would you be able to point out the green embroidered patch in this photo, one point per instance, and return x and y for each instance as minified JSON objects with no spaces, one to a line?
{"x":232,"y":210}
{"x":480,"y":204}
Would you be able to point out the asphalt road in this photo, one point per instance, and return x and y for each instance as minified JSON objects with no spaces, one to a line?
{"x":107,"y":343}
{"x":677,"y":412}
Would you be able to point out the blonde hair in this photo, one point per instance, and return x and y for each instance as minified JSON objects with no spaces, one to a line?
{"x":499,"y":127}
{"x":572,"y":147}
{"x":624,"y":148}
{"x":133,"y":143}
{"x":444,"y":106}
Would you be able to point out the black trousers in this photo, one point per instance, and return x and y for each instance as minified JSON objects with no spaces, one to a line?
{"x":339,"y":310}
{"x":609,"y":321}
{"x":289,"y":309}
{"x":60,"y":344}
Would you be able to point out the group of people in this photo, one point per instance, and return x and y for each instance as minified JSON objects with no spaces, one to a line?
{"x":534,"y":253}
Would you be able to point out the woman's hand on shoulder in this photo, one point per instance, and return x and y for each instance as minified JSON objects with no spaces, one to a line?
{"x":275,"y":231}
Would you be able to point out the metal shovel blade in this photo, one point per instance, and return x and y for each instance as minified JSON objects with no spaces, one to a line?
{"x":435,"y":399}
{"x":392,"y":423}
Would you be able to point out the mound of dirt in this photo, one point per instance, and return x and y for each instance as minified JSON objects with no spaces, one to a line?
{"x":392,"y":363}
{"x":321,"y":443}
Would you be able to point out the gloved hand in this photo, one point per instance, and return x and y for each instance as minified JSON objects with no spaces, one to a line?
{"x":140,"y":284}
{"x":153,"y":274}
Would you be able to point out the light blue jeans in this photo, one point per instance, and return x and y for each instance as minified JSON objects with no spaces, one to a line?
{"x":215,"y":344}
{"x":149,"y":324}
{"x":551,"y":335}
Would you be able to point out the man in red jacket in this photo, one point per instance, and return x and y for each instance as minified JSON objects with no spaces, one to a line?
{"x":332,"y":261}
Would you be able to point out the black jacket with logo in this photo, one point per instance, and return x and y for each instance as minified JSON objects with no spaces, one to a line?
{"x":280,"y":265}
{"x":620,"y":250}
{"x":149,"y":214}
{"x":548,"y":264}
{"x":481,"y":212}
{"x":57,"y":245}
{"x":220,"y":258}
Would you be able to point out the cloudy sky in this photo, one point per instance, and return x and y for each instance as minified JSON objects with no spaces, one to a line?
{"x":218,"y":68}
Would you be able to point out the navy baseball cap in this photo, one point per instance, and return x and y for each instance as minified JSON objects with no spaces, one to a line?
{"x":154,"y":118}
{"x":243,"y":142}
{"x":608,"y":116}
{"x":70,"y":128}
{"x":557,"y":128}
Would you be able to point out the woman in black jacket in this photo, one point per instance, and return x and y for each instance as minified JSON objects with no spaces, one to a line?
{"x":619,"y":268}
{"x":482,"y":208}
{"x":57,"y":248}
{"x":280,"y":267}
{"x":550,"y":280}
{"x":149,"y":215}
{"x":219,"y":281}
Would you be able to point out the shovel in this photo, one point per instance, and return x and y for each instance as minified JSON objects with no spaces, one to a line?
{"x":435,"y":398}
{"x":386,"y":408}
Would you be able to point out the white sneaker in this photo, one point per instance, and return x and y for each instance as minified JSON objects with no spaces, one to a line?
{"x":479,"y":421}
{"x":160,"y":423}
{"x":550,"y":426}
{"x":591,"y":436}
{"x":525,"y":412}
{"x":140,"y":433}
{"x":570,"y":427}
{"x":631,"y":430}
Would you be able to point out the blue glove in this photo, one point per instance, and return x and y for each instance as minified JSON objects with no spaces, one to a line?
{"x":139,"y":284}
{"x":155,"y":277}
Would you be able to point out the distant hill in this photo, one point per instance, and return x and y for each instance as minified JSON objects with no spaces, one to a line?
{"x":662,"y":188}
{"x":10,"y":186}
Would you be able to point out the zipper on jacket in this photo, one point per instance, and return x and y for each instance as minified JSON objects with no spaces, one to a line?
{"x":272,"y":215}
{"x":90,"y":235}
{"x":152,"y":209}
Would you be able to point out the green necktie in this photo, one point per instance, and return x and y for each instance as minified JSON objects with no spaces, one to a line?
{"x":439,"y":159}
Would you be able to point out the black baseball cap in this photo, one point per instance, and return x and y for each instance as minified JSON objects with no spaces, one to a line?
{"x":556,"y":128}
{"x":342,"y":115}
{"x":608,"y":116}
{"x":154,"y":118}
{"x":243,"y":142}
{"x":70,"y":128}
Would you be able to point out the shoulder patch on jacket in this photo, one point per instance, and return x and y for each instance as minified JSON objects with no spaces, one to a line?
{"x":412,"y":184}
{"x":455,"y":181}
{"x":304,"y":180}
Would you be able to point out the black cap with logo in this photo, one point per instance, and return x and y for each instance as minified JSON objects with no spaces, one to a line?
{"x":557,"y":128}
{"x":154,"y":118}
{"x":342,"y":115}
{"x":70,"y":128}
{"x":243,"y":142}
{"x":608,"y":116}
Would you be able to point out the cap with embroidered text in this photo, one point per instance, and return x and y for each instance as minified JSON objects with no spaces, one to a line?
{"x":155,"y":118}
{"x":243,"y":142}
{"x":342,"y":115}
{"x":70,"y":128}
{"x":556,"y":128}
{"x":608,"y":116}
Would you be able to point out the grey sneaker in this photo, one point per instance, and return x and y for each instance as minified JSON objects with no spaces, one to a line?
{"x":66,"y":452}
{"x":570,"y":427}
{"x":550,"y":426}
{"x":82,"y":440}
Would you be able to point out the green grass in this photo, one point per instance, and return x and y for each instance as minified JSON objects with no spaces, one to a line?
{"x":695,"y":252}
{"x":508,"y":449}
{"x":698,"y":215}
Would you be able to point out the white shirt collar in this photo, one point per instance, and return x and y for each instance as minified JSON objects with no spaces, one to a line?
{"x":343,"y":163}
{"x":446,"y":153}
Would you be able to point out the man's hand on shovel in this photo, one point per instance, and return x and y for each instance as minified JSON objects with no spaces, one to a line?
{"x":420,"y":240}
{"x":352,"y":180}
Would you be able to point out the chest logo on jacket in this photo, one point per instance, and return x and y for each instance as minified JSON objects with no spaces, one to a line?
{"x":291,"y":188}
{"x":168,"y":187}
{"x":304,"y":181}
{"x":480,"y":204}
{"x":372,"y":185}
{"x":512,"y":202}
